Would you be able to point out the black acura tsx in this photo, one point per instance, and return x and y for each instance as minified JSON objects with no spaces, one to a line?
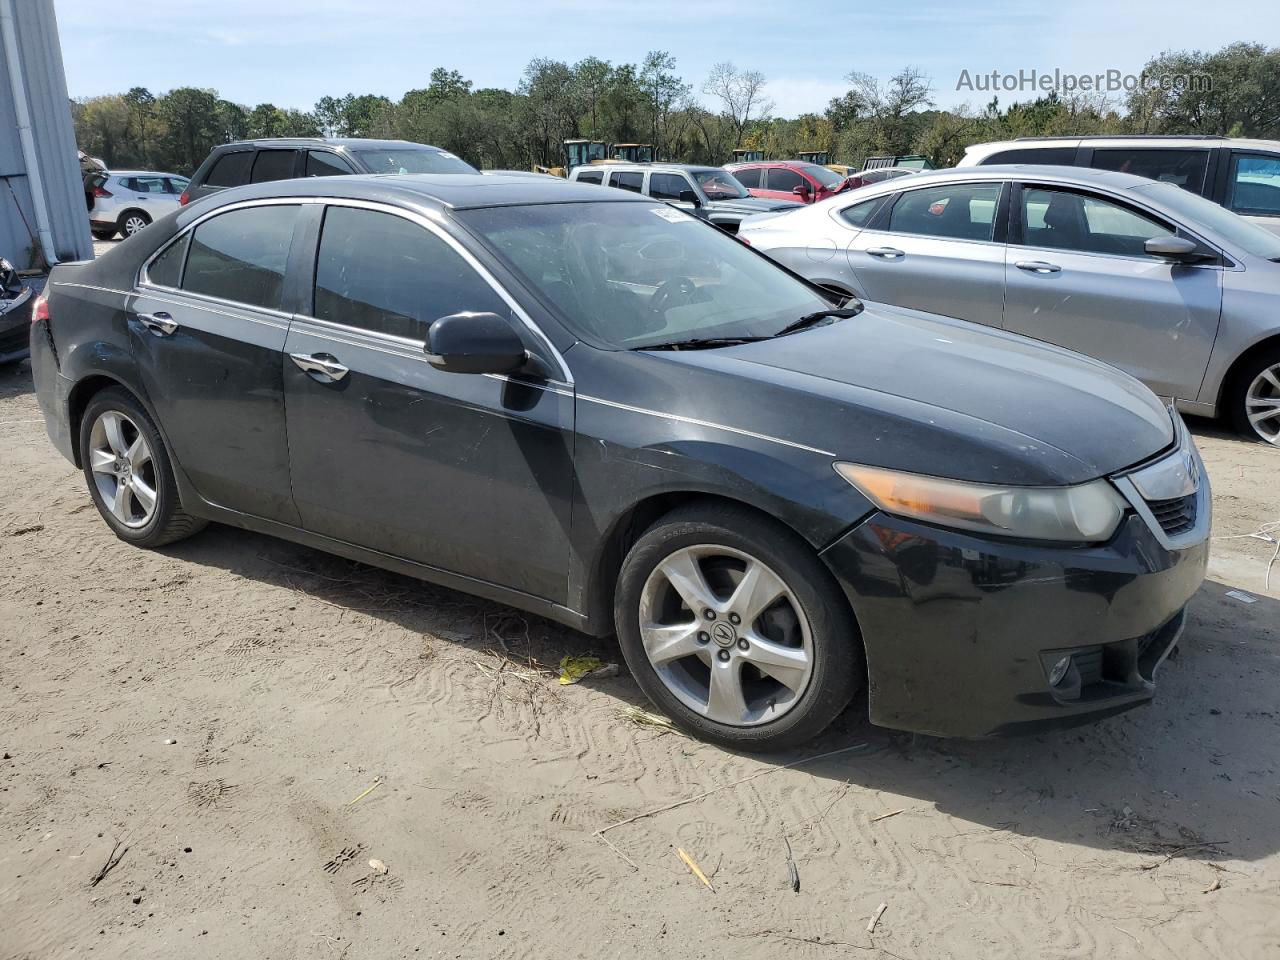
{"x":595,"y":407}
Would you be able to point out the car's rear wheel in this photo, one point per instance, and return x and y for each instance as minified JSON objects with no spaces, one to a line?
{"x":127,"y":470}
{"x":104,"y":234}
{"x":1254,"y":398}
{"x":132,"y":221}
{"x":733,"y":627}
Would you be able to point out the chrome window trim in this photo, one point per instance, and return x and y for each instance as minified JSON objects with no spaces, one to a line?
{"x":194,"y":301}
{"x":705,"y":423}
{"x":410,"y":215}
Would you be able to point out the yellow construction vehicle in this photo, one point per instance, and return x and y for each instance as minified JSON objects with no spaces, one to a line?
{"x":579,"y":153}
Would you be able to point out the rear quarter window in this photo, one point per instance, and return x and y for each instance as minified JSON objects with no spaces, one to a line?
{"x":1047,"y":156}
{"x":231,"y":169}
{"x":166,"y":269}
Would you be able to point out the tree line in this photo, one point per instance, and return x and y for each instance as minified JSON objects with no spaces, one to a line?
{"x":651,"y":102}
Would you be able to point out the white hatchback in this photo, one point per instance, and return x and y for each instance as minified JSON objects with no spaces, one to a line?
{"x":125,"y":201}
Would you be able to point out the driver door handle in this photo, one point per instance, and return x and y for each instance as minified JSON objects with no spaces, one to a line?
{"x":320,"y":363}
{"x":885,"y":253}
{"x":161,"y":324}
{"x":1038,"y":266}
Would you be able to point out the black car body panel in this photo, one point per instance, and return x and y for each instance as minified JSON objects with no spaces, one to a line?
{"x":521,"y":488}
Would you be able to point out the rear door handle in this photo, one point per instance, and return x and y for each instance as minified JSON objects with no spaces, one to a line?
{"x":1038,"y":266}
{"x":885,"y":253}
{"x":161,"y":324}
{"x":321,"y":364}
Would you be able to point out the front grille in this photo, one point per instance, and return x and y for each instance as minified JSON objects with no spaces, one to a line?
{"x":1174,"y":516}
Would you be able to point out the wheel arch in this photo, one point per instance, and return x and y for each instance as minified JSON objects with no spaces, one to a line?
{"x":124,"y":214}
{"x":1230,"y":379}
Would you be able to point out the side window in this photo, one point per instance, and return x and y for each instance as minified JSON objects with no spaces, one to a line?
{"x":667,"y":186}
{"x":590,"y":176}
{"x":148,"y":184}
{"x":860,"y":214}
{"x":177,"y":184}
{"x":1184,"y":167}
{"x":1255,"y":184}
{"x":386,"y":274}
{"x":749,"y":178}
{"x":780,"y":178}
{"x":1075,"y":221}
{"x":960,"y":211}
{"x":241,"y":255}
{"x":166,"y":269}
{"x":1053,"y":156}
{"x":231,"y":169}
{"x":322,"y":163}
{"x":273,"y":165}
{"x":626,"y":181}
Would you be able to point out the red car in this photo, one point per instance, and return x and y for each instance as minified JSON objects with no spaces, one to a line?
{"x":788,"y":180}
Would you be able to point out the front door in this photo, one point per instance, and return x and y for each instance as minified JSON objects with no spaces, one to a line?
{"x":1077,"y":276}
{"x":207,"y":329}
{"x":936,"y":249}
{"x":463,"y":472}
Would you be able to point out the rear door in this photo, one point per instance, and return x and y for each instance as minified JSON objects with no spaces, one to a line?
{"x":466,"y":473}
{"x":938,"y":248}
{"x":207,"y":326}
{"x":1077,"y":276}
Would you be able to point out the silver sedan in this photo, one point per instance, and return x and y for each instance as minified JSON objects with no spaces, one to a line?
{"x":1171,"y":288}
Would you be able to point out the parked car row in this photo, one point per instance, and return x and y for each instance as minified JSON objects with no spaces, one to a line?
{"x":126,"y":201}
{"x":588,"y":403}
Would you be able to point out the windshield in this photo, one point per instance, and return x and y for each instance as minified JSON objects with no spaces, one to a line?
{"x":413,"y":160}
{"x":720,"y":185}
{"x":1231,"y":227}
{"x":828,"y":178}
{"x":628,"y":275}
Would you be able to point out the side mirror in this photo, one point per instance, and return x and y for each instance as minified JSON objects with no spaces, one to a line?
{"x":688,"y":196}
{"x":475,"y":343}
{"x":1178,"y":249}
{"x":801,"y":191}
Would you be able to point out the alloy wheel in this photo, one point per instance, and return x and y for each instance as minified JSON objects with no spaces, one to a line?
{"x":1262,"y":404}
{"x":133,"y":224}
{"x":123,"y":469}
{"x":726,"y":635}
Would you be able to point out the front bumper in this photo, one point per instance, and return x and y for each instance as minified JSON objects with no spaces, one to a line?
{"x":961,"y":631}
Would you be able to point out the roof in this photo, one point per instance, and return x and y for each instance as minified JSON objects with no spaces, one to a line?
{"x":142,"y":173}
{"x":429,"y":191}
{"x":659,"y":167}
{"x":1002,"y":171}
{"x":347,"y":142}
{"x":770,"y":163}
{"x":1137,"y":141}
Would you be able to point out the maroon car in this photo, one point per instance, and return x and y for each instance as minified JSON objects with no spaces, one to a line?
{"x":788,"y":180}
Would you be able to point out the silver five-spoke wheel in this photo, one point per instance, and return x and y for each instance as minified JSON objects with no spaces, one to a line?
{"x":133,"y":223}
{"x":726,"y":635}
{"x":123,"y":469}
{"x":1262,"y":404}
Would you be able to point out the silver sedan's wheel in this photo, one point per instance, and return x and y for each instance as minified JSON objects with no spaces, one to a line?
{"x":1262,"y":404}
{"x":123,"y":468}
{"x":133,"y":223}
{"x":726,"y":635}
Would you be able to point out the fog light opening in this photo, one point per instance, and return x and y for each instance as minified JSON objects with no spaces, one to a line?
{"x":1059,"y":671}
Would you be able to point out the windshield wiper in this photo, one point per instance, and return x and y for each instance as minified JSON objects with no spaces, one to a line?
{"x":812,"y":319}
{"x":700,"y":343}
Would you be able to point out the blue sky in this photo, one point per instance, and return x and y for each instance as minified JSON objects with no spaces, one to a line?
{"x":290,"y":53}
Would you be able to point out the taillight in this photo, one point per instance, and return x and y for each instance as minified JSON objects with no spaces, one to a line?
{"x":100,"y":192}
{"x":40,"y":308}
{"x":184,"y":198}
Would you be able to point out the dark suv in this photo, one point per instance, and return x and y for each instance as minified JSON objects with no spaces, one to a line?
{"x":260,"y":161}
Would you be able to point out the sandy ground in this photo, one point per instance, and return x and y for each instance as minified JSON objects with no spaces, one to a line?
{"x":248,"y":723}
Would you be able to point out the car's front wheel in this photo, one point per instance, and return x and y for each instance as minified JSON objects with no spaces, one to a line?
{"x":127,"y":469}
{"x":104,"y":233}
{"x":734,"y":628}
{"x":132,"y":221}
{"x":1254,"y":398}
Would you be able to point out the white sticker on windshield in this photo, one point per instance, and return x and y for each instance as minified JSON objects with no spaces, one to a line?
{"x":672,"y":215}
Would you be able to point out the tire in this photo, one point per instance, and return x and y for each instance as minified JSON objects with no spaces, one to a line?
{"x":131,"y":222}
{"x":1252,"y":388}
{"x":148,"y":469}
{"x":105,"y":234}
{"x":807,"y":635}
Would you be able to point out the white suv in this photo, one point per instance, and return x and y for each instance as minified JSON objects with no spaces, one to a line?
{"x":125,"y":201}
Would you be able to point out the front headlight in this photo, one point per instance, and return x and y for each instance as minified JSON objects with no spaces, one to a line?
{"x":1086,"y":513}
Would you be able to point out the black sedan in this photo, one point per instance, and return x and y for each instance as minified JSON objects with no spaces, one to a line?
{"x":596,"y":407}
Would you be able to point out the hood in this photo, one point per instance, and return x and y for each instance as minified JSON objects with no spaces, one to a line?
{"x":750,"y":205}
{"x":910,"y":391}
